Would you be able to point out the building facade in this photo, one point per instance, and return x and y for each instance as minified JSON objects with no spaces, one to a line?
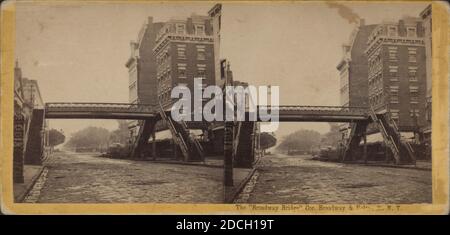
{"x":397,"y":72}
{"x":353,"y":70}
{"x":141,"y":66}
{"x":427,"y":26}
{"x":184,"y":50}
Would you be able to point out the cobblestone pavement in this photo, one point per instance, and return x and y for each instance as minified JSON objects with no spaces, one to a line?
{"x":86,"y":178}
{"x":298,"y":179}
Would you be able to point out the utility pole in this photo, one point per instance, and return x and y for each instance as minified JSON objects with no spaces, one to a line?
{"x":228,"y":136}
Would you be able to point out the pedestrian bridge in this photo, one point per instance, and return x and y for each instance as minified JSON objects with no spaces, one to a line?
{"x":100,"y":111}
{"x":287,"y":113}
{"x":302,"y":113}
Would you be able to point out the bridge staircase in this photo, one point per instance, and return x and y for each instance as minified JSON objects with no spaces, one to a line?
{"x":145,"y":130}
{"x":357,"y":130}
{"x":401,"y":150}
{"x":190,"y":147}
{"x":35,"y":142}
{"x":244,"y":144}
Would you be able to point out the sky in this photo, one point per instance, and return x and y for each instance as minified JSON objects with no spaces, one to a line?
{"x":77,"y":52}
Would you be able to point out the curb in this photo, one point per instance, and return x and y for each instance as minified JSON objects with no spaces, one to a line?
{"x":182,"y":163}
{"x":400,"y":167}
{"x":241,"y":186}
{"x":235,"y":194}
{"x":31,"y":185}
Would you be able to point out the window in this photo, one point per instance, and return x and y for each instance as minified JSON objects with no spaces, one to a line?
{"x":393,"y":72}
{"x":412,"y":73}
{"x":395,"y":114}
{"x":201,"y":68}
{"x":412,"y":54}
{"x":392,"y":53}
{"x":180,"y":28}
{"x":412,"y":50}
{"x":199,"y":29}
{"x":201,"y":52}
{"x":201,"y":73}
{"x":394,"y":99}
{"x":182,"y":71}
{"x":414,"y":112}
{"x":201,"y":55}
{"x":411,"y":32}
{"x":393,"y":89}
{"x":181,"y":53}
{"x":414,"y":100}
{"x":414,"y":89}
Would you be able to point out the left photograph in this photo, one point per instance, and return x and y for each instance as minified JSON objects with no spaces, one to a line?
{"x":92,"y":102}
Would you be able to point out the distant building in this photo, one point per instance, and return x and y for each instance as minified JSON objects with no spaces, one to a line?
{"x":184,"y":50}
{"x":397,"y":72}
{"x":142,"y":69}
{"x":353,"y":70}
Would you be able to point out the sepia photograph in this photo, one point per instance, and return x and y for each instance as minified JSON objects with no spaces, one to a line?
{"x":266,"y":106}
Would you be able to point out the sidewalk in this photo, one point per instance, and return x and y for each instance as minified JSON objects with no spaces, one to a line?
{"x":31,"y":173}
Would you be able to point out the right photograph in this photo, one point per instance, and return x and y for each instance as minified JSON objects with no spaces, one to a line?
{"x":344,"y":102}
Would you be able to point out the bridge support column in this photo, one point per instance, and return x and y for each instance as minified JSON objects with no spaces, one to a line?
{"x":154,"y":143}
{"x":35,"y":140}
{"x":228,"y":154}
{"x":18,"y":153}
{"x":365,"y":147}
{"x":245,"y":152}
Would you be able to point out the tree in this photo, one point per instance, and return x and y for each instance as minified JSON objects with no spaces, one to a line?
{"x":267,"y":141}
{"x":121,"y":135}
{"x":89,"y":138}
{"x":55,"y":137}
{"x":302,"y":140}
{"x":332,"y":137}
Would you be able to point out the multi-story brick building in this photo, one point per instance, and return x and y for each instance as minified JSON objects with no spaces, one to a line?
{"x":397,"y":72}
{"x":353,"y":70}
{"x":142,"y":69}
{"x":184,"y":50}
{"x":427,"y":26}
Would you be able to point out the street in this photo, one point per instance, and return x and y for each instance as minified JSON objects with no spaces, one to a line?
{"x":298,"y":179}
{"x":87,"y":178}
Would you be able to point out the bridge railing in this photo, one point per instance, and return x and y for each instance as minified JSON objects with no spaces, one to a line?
{"x":100,"y":107}
{"x":344,"y":110}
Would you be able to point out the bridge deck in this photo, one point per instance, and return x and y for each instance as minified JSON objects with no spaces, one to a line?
{"x":99,"y":111}
{"x":286,"y":113}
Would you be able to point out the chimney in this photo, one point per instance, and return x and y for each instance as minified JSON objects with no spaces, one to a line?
{"x":362,"y":22}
